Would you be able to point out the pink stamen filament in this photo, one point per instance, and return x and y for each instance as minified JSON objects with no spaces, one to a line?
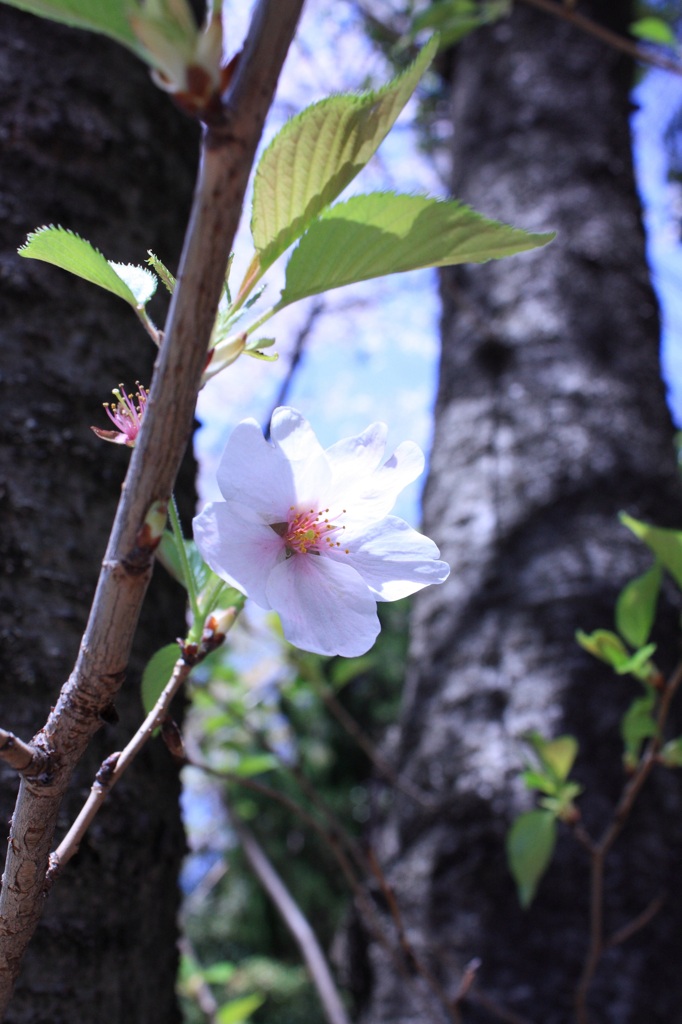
{"x":125,"y":414}
{"x":308,"y":532}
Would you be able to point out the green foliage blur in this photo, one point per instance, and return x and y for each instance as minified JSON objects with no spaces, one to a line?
{"x":271,"y":723}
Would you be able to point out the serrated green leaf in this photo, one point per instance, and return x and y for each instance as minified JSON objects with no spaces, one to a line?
{"x":108,"y":17}
{"x":386,"y":233}
{"x":157,"y":674}
{"x":142,"y":282}
{"x":317,"y":153}
{"x":636,"y":606}
{"x":638,"y":725}
{"x":238,"y":1010}
{"x":653,"y":30}
{"x":665,"y":544}
{"x":70,"y":252}
{"x":530,"y":845}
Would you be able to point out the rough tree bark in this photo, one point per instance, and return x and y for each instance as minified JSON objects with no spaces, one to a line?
{"x":89,"y":143}
{"x":550,"y":418}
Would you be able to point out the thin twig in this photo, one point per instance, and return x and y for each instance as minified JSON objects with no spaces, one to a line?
{"x":601,"y":848}
{"x":228,"y":150}
{"x":607,"y":35}
{"x":23,"y":757}
{"x":111,"y":771}
{"x":354,"y":730}
{"x":201,"y":990}
{"x":296,"y":922}
{"x":637,"y":923}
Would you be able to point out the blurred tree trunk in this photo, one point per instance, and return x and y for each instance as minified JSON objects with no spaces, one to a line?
{"x":87,"y":142}
{"x":550,"y":418}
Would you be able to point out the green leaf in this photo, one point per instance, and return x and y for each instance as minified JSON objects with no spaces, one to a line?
{"x":109,"y":17}
{"x":665,"y":544}
{"x":317,"y":153}
{"x":70,"y":252}
{"x":638,"y":725}
{"x":605,"y":645}
{"x":157,"y":674}
{"x":556,"y":756}
{"x":653,"y":30}
{"x":238,"y":1010}
{"x":141,"y":281}
{"x":671,"y":754}
{"x":636,"y":606}
{"x":455,"y":19}
{"x":219,"y":973}
{"x":638,"y":663}
{"x":256,"y":764}
{"x":536,"y":780}
{"x":530,"y":845}
{"x":385,"y":233}
{"x":168,"y":555}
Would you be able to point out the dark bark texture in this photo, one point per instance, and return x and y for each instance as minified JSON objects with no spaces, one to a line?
{"x":551,"y":417}
{"x":86,"y":141}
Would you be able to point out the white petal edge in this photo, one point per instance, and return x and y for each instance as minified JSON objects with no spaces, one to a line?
{"x":393,"y":559}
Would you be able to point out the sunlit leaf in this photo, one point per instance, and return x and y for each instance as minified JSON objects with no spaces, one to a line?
{"x":665,"y":544}
{"x":653,"y":30}
{"x":141,"y":281}
{"x":386,"y":233}
{"x":530,"y":845}
{"x":109,"y":17}
{"x":605,"y":645}
{"x":238,"y":1010}
{"x":556,"y":756}
{"x":636,"y":606}
{"x":671,"y":754}
{"x":70,"y":252}
{"x":318,"y":153}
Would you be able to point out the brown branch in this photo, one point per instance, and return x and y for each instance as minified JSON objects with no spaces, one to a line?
{"x":296,"y":922}
{"x":24,"y":758}
{"x":639,"y":922}
{"x":599,"y":850}
{"x":607,"y":35}
{"x":228,"y":149}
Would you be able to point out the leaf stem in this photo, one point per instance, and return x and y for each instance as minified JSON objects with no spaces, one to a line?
{"x":188,"y":575}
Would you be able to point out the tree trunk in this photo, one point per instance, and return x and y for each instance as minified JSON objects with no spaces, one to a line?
{"x":89,"y":143}
{"x":550,"y":418}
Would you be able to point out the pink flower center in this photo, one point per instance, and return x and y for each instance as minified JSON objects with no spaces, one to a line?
{"x":125,"y":414}
{"x":310,"y":532}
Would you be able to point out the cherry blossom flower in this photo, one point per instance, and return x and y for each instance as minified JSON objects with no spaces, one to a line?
{"x":307,"y":532}
{"x":125,"y":415}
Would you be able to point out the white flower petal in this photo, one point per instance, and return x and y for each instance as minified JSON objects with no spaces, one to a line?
{"x":293,"y":435}
{"x":256,"y":474}
{"x":324,"y":606}
{"x":372,"y":497}
{"x":361,"y":455}
{"x":239,"y":547}
{"x":393,"y":559}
